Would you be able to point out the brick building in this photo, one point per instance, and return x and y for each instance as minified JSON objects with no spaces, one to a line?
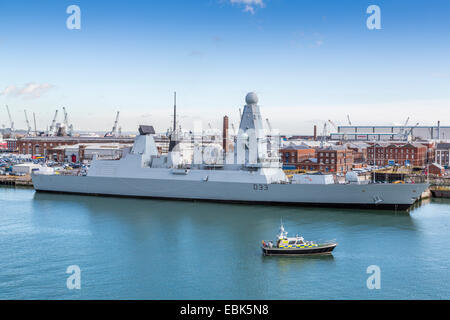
{"x":414,"y":154}
{"x":11,"y":144}
{"x":442,"y":154}
{"x":329,"y":160}
{"x":359,"y":151}
{"x":80,"y":152}
{"x":294,"y":155}
{"x":335,"y":159}
{"x":436,"y":169}
{"x":41,"y":146}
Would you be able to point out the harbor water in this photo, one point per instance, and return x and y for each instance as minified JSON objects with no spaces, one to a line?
{"x":154,"y":249}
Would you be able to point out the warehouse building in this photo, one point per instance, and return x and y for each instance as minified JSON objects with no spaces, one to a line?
{"x":293,"y":155}
{"x":40,"y":146}
{"x":382,"y":154}
{"x":442,"y":154}
{"x":391,"y":133}
{"x":82,"y":152}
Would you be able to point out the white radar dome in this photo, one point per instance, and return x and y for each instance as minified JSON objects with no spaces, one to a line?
{"x":251,"y":98}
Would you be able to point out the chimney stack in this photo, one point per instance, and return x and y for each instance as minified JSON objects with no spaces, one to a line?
{"x":315,"y":133}
{"x":225,"y":134}
{"x":439,"y":130}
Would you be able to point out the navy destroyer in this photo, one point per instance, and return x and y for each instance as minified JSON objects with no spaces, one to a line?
{"x":251,"y":173}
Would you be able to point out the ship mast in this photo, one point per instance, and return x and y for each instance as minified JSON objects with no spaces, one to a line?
{"x":172,"y":138}
{"x":174,"y":111}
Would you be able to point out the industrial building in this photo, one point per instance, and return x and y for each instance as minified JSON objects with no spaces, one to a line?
{"x":25,"y":168}
{"x":442,"y":154}
{"x":293,"y":155}
{"x":336,"y":159}
{"x":382,"y":154}
{"x":391,"y":133}
{"x":41,"y":146}
{"x":81,"y":152}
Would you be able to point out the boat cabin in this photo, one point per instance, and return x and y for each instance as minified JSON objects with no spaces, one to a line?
{"x":290,"y":242}
{"x":283,"y":241}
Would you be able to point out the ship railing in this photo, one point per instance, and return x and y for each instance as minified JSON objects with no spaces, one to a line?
{"x":67,"y":172}
{"x":325,"y":242}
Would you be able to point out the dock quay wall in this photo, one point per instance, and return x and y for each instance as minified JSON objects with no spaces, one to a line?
{"x":16,"y":181}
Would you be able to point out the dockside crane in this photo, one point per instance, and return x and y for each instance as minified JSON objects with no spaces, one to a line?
{"x":268,"y":125}
{"x":11,"y":122}
{"x":28,"y":123}
{"x":35,"y":127}
{"x":337,"y":129}
{"x":334,"y":125}
{"x":234,"y":129}
{"x":324,"y":133}
{"x":113,"y":132}
{"x":69,"y":128}
{"x":404,"y":126}
{"x":52,"y":130}
{"x":116,"y":125}
{"x":408,"y":134}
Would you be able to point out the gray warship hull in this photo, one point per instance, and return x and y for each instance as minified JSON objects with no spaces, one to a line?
{"x":369,"y":196}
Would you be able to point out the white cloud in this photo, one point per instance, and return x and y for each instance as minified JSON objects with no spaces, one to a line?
{"x":249,"y":5}
{"x":28,"y":91}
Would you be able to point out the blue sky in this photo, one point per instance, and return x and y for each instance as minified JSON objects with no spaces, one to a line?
{"x":309,"y":61}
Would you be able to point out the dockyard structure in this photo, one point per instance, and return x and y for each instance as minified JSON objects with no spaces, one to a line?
{"x":11,"y":145}
{"x":382,"y":154}
{"x":443,"y":154}
{"x":306,"y":143}
{"x":309,"y":165}
{"x":3,"y":144}
{"x":336,"y":159}
{"x":431,"y":148}
{"x":391,"y":133}
{"x":40,"y":146}
{"x":87,"y":152}
{"x":359,"y":151}
{"x":294,"y":155}
{"x":436,"y":169}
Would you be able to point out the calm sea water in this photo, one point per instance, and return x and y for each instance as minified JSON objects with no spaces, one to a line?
{"x":149,"y":249}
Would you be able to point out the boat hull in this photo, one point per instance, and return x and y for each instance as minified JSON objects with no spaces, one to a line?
{"x":320,"y":250}
{"x":393,"y":196}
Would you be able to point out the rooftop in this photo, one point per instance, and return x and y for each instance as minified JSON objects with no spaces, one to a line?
{"x":443,"y":146}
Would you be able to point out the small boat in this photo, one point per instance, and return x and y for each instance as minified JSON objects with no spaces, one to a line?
{"x":286,"y":246}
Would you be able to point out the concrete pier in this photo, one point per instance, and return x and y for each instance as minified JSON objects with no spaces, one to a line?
{"x":16,"y":181}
